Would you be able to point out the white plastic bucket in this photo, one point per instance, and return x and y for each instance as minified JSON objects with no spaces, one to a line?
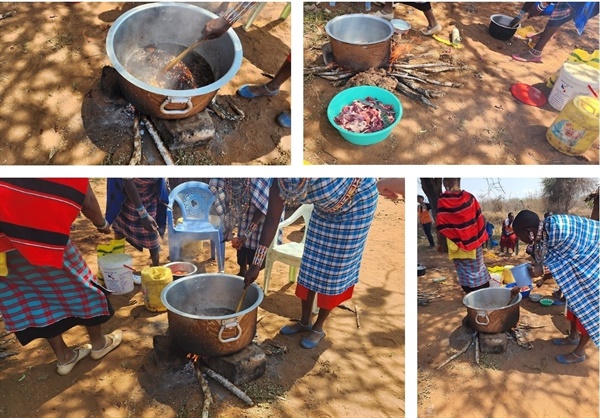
{"x":118,"y":279}
{"x":496,"y":280}
{"x":572,"y":81}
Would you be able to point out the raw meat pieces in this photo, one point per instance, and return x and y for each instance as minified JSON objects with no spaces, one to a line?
{"x":366,"y":116}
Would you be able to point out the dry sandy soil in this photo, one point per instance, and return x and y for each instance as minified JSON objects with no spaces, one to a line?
{"x":519,"y":382}
{"x":479,"y":123}
{"x":53,"y":54}
{"x":353,"y":372}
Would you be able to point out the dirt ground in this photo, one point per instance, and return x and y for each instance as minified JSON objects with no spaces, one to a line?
{"x":519,"y":382}
{"x":52,"y":54}
{"x":479,"y":123}
{"x":353,"y":372}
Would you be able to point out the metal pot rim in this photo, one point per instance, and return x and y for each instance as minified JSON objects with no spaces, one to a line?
{"x":365,"y":16}
{"x":179,"y":282}
{"x":502,"y":26}
{"x":237,"y":61}
{"x":494,"y":289}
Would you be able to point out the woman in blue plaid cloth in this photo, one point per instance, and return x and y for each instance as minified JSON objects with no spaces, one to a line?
{"x":335,"y":240}
{"x":569,"y":247}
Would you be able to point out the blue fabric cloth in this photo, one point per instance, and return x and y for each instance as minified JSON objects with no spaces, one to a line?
{"x":472,"y":272}
{"x":38,"y":296}
{"x":583,"y":11}
{"x":573,"y":258}
{"x":335,"y":241}
{"x":116,"y":196}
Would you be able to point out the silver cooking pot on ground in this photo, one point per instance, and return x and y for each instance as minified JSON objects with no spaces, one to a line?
{"x":201,"y":313}
{"x":170,"y":23}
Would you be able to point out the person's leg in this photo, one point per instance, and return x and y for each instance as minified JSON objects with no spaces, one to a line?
{"x":97,"y":340}
{"x":427,"y":230}
{"x":62,"y":352}
{"x":305,"y":322}
{"x":271,"y":87}
{"x":155,"y":256}
{"x":562,"y":14}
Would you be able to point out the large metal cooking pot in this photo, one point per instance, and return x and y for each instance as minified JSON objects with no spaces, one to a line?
{"x":201,"y":313}
{"x":170,"y":23}
{"x":360,"y":41}
{"x":488,"y":311}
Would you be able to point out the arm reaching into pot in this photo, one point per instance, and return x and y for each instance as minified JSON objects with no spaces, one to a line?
{"x":267,"y":235}
{"x":215,"y":28}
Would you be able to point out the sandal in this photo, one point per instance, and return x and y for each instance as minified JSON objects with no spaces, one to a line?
{"x":80,"y":353}
{"x":245,"y":92}
{"x":565,"y":341}
{"x":295,"y":328}
{"x":113,"y":341}
{"x":310,"y":344}
{"x":284,"y":120}
{"x":527,"y":57}
{"x":562,"y":358}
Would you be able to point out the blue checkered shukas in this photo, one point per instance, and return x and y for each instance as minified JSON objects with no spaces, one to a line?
{"x":573,"y":258}
{"x":337,"y":232}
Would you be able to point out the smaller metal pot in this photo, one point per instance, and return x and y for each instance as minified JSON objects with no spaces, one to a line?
{"x":360,"y":41}
{"x":421,"y":270}
{"x":499,"y":28}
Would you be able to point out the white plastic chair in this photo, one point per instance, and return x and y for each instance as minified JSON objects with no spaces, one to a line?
{"x":195,"y":199}
{"x":289,"y":253}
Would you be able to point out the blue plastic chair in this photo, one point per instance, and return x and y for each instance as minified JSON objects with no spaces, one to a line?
{"x":194,"y":199}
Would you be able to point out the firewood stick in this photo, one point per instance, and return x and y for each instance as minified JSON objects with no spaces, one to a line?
{"x":159,"y":144}
{"x":357,"y":317}
{"x":228,"y":385}
{"x":463,"y":350}
{"x":426,"y":65}
{"x":404,"y":89}
{"x":137,"y":142}
{"x":205,"y":390}
{"x":476,"y":348}
{"x":8,"y":354}
{"x":8,"y":14}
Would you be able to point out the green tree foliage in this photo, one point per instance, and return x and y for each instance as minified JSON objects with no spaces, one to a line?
{"x":561,"y":195}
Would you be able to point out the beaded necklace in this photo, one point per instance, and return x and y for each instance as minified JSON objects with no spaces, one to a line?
{"x":294,"y":193}
{"x":540,"y":244}
{"x":237,"y":198}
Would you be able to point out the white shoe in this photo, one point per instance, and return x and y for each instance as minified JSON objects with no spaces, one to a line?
{"x":387,"y":16}
{"x":432,"y":31}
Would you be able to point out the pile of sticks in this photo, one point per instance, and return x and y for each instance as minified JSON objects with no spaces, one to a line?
{"x":424,"y":298}
{"x":409,"y":77}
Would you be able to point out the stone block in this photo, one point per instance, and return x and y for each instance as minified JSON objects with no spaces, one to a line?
{"x":184,"y":133}
{"x":493,"y":343}
{"x":242,"y":367}
{"x":166,"y":354}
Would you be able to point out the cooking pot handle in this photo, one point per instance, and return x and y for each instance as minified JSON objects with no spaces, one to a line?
{"x":179,"y":100}
{"x":483,"y":314}
{"x":226,"y":325}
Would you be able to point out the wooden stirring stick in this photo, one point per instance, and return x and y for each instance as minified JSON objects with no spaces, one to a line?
{"x":179,"y":57}
{"x":239,"y":305}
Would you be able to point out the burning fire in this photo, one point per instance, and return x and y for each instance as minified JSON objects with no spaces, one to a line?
{"x":193,"y":357}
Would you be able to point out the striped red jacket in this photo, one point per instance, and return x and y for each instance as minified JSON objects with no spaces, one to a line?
{"x":36,"y":216}
{"x":459,"y":218}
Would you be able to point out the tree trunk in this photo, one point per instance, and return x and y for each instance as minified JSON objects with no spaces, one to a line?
{"x":433,"y":188}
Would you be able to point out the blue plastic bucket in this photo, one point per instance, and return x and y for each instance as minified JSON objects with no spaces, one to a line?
{"x":521,"y":274}
{"x":347,"y":96}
